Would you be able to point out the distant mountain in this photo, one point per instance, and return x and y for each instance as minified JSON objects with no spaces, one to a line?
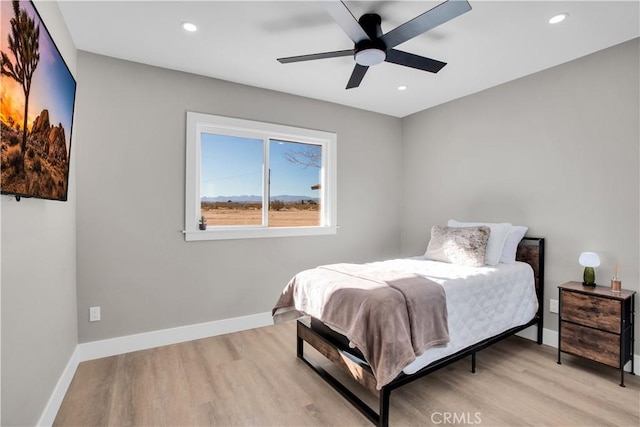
{"x":256,"y":199}
{"x":243,"y":198}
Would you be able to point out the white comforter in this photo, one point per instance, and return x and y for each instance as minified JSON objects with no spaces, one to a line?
{"x":481,"y":302}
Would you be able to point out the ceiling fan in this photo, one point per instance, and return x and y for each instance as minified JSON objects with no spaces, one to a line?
{"x":371,"y":47}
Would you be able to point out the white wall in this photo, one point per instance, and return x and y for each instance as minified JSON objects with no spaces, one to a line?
{"x":132,"y":257}
{"x":39,"y":321}
{"x":557,"y":151}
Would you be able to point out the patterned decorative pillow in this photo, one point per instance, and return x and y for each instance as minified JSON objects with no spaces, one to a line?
{"x":499,"y":233}
{"x":458,"y":245}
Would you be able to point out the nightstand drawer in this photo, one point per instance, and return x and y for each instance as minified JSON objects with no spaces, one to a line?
{"x":601,"y":313}
{"x":593,"y":344}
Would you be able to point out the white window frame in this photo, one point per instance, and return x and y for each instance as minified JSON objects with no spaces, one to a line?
{"x":198,"y":123}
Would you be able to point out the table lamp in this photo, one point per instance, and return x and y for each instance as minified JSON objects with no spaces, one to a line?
{"x":589,"y":260}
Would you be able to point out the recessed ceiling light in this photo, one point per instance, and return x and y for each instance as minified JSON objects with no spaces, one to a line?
{"x":403,"y":87}
{"x":188,"y":26}
{"x":558,"y":18}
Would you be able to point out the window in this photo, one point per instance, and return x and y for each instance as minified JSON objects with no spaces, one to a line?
{"x":250,"y":179}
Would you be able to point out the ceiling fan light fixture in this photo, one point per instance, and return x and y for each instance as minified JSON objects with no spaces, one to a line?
{"x":370,"y":56}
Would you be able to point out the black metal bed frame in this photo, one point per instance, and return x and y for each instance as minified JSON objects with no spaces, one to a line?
{"x":331,"y":345}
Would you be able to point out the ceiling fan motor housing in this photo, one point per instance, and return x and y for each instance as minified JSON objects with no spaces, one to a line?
{"x":372,"y":51}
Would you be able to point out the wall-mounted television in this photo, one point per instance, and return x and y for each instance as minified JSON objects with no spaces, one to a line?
{"x":37,"y":96}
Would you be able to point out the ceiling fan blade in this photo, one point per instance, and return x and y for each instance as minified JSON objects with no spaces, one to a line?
{"x":356,"y":76}
{"x":438,"y":15}
{"x":323,"y":55}
{"x":345,"y":19}
{"x":414,"y":61}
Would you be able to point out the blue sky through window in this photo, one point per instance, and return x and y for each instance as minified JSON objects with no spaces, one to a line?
{"x":232,"y":166}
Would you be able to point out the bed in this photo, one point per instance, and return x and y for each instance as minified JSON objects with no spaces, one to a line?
{"x":483,"y":305}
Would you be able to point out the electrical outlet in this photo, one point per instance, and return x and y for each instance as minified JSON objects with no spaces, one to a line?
{"x":553,"y":306}
{"x":94,"y":314}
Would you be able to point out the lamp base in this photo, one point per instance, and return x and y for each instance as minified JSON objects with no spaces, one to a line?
{"x":589,"y":277}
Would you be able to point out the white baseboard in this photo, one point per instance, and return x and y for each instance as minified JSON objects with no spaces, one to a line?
{"x":129,"y":343}
{"x":48,"y":416}
{"x":549,"y":337}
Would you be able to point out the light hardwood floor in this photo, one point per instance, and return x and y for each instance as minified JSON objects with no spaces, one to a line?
{"x":253,"y":378}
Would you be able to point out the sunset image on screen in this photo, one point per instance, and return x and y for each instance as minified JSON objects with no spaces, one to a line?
{"x":37,"y":94}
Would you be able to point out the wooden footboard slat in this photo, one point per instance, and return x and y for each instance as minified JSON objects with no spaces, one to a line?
{"x":359,"y":372}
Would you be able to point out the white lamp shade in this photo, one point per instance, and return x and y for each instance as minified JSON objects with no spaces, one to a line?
{"x":589,"y":259}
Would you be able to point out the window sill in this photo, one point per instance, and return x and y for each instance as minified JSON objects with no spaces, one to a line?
{"x":256,"y":233}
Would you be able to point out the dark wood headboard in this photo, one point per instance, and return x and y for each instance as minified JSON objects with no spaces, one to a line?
{"x":531,"y":251}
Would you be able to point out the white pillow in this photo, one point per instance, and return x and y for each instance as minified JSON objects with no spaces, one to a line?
{"x":497,"y":238}
{"x":510,"y":247}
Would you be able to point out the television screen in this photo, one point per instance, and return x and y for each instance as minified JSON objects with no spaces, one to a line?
{"x":37,"y":94}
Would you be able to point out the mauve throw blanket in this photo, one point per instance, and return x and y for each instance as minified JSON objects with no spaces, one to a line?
{"x":390,"y":316}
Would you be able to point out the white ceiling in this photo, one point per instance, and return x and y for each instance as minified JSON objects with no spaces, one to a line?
{"x":239,"y":41}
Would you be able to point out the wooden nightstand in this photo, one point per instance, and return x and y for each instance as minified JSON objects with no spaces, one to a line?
{"x":596,"y":324}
